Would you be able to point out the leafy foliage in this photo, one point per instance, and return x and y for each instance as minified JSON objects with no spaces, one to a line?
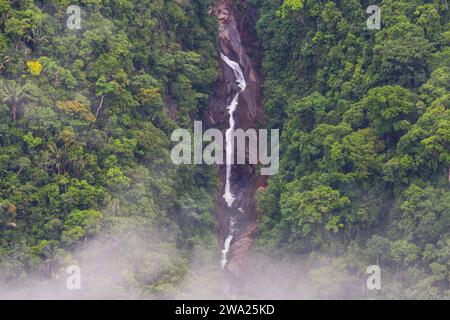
{"x":84,"y":137}
{"x":364,"y":167}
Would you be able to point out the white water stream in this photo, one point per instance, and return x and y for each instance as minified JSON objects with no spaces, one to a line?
{"x":228,"y":195}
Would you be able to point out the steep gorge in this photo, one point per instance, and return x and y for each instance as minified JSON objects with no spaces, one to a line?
{"x":237,"y":102}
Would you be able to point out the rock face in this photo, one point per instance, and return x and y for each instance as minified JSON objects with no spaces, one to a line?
{"x":237,"y":40}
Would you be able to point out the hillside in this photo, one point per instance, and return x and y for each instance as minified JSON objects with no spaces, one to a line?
{"x":89,"y":102}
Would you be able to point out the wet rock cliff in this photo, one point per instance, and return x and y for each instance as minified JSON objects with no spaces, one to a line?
{"x":237,"y":40}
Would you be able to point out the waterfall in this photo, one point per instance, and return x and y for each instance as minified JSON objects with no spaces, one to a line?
{"x":228,"y":194}
{"x":227,"y":244}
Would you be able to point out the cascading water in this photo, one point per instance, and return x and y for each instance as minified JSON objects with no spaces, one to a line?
{"x":236,"y":104}
{"x":228,"y":194}
{"x":227,"y":243}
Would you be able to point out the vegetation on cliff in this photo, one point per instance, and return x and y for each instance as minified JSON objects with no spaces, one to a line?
{"x":86,"y":117}
{"x":365,"y":115}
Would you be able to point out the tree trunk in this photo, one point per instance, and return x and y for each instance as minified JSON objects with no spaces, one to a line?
{"x":99,"y":107}
{"x":14,"y":112}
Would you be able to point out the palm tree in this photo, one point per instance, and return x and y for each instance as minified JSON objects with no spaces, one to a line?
{"x":13,"y":94}
{"x":56,"y":157}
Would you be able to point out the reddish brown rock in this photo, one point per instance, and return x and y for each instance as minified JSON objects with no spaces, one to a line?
{"x":237,"y":40}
